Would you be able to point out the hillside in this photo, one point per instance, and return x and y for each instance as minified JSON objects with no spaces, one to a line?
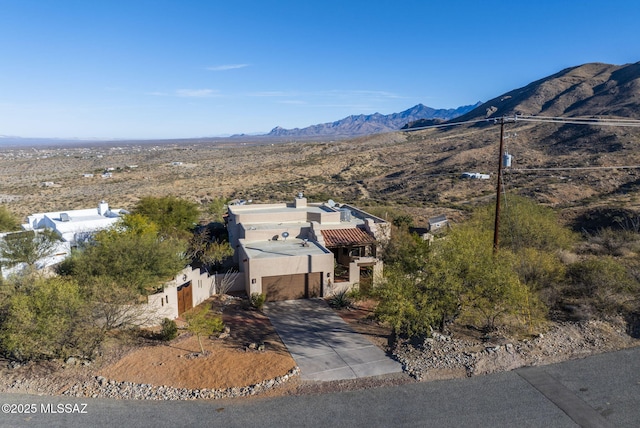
{"x":371,"y":124}
{"x":587,"y":90}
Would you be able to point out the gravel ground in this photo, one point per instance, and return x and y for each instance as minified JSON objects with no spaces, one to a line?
{"x":444,"y":356}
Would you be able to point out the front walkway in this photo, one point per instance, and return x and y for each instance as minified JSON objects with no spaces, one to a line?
{"x":323,"y":345}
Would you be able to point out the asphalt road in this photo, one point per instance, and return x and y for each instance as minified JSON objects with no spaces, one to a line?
{"x":599,"y":391}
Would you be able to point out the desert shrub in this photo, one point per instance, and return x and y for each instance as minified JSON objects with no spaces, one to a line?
{"x":539,"y":269}
{"x":28,"y":247}
{"x":8,"y":221}
{"x":603,"y":283}
{"x":427,"y":286}
{"x":169,"y":330}
{"x":525,"y":224}
{"x":611,"y":242}
{"x":174,"y":216}
{"x":406,"y":305}
{"x":403,"y":221}
{"x":340,"y":300}
{"x":202,"y":322}
{"x":130,"y":255}
{"x":356,"y":293}
{"x":257,"y":300}
{"x":49,"y":319}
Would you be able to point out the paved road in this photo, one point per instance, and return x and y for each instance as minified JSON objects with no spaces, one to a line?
{"x":598,"y":391}
{"x":323,"y":345}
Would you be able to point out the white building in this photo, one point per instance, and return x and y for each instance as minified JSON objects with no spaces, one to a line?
{"x":74,"y":227}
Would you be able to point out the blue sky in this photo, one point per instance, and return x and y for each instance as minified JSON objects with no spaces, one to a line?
{"x":186,"y":68}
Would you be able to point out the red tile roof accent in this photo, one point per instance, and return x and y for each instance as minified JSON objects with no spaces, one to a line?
{"x":345,"y":237}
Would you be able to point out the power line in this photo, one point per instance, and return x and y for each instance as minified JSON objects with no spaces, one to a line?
{"x":579,"y":120}
{"x":574,"y":168}
{"x":448,"y":124}
{"x":539,"y":119}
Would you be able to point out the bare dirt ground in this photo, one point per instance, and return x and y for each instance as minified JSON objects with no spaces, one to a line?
{"x":228,"y":362}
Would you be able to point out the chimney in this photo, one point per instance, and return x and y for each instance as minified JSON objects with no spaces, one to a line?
{"x":103,"y":207}
{"x":300,"y":201}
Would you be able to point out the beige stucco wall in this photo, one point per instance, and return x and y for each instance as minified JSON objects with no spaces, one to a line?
{"x":255,"y":269}
{"x":160,"y":305}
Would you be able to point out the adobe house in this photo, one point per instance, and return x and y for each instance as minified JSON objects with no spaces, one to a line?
{"x":294,"y":250}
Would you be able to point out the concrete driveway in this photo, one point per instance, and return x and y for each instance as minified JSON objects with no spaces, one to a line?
{"x":323,"y":345}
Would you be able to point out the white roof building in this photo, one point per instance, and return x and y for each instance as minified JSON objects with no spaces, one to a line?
{"x":75,"y":226}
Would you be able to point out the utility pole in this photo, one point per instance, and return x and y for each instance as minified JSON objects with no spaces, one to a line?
{"x":496,"y":227}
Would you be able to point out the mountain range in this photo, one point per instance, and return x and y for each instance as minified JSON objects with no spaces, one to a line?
{"x":358,"y":125}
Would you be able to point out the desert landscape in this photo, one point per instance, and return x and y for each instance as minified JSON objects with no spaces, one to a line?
{"x":588,"y":173}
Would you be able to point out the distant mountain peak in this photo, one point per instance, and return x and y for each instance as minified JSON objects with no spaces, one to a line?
{"x":357,"y":125}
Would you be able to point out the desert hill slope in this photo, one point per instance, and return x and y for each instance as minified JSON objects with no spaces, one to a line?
{"x":593,"y":89}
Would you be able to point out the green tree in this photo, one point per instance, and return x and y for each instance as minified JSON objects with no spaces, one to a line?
{"x":201,"y":322}
{"x":131,"y":257}
{"x":524,"y":223}
{"x":49,"y":319}
{"x":491,"y":287}
{"x":218,"y":208}
{"x":27,"y":247}
{"x":459,"y":276}
{"x":8,"y":222}
{"x":210,"y":253}
{"x":407,"y":250}
{"x":174,"y":216}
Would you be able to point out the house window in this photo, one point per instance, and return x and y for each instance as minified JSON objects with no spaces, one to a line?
{"x":356,"y":252}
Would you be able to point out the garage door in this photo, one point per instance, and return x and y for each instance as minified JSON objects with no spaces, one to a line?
{"x":291,"y":287}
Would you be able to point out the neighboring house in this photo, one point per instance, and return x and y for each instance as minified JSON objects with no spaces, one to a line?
{"x":438,"y":223}
{"x":290,"y":251}
{"x":74,"y":227}
{"x":475,"y":175}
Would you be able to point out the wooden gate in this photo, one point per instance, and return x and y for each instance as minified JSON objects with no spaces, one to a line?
{"x":185,"y":298}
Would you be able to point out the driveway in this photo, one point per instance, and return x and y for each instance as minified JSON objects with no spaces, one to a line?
{"x":323,"y":345}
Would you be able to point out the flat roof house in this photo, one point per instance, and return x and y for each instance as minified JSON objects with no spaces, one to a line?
{"x":73,"y":227}
{"x":301,"y":250}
